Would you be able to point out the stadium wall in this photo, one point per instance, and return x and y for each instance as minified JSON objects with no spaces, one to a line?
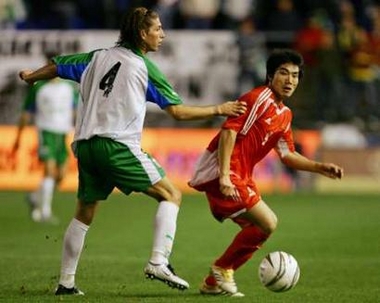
{"x":177,"y":150}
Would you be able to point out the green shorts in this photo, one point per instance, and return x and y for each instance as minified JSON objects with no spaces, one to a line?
{"x":104,"y":164}
{"x":52,"y":146}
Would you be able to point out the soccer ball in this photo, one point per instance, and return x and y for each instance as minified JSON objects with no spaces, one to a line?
{"x":279,"y":271}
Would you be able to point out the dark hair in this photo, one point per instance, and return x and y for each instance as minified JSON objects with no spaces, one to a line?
{"x":135,"y":20}
{"x":281,"y":56}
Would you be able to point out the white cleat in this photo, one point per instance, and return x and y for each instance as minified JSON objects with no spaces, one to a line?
{"x":215,"y":290}
{"x":165,"y":273}
{"x":225,"y":279}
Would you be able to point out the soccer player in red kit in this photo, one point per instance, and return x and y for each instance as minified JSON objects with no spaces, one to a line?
{"x":225,"y":170}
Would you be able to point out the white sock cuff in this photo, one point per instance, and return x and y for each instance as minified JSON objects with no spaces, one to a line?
{"x":48,"y":181}
{"x":75,"y":222}
{"x":168,"y":207}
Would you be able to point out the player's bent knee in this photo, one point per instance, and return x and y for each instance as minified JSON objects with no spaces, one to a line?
{"x":164,"y":191}
{"x":85,"y":212}
{"x":271,"y":225}
{"x":175,"y":196}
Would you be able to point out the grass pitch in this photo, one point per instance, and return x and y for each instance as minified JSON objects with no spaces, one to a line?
{"x":335,"y":238}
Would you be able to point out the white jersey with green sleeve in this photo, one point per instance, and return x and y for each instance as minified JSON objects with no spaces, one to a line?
{"x":52,"y":103}
{"x":115,"y":85}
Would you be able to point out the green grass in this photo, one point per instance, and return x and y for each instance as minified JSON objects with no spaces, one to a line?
{"x":335,"y":238}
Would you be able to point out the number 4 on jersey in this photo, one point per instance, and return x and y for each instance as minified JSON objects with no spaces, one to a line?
{"x":106,"y":84}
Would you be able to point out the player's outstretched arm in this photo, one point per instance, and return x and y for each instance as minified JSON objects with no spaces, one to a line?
{"x":184,"y":112}
{"x":297,"y":161}
{"x":46,"y":72}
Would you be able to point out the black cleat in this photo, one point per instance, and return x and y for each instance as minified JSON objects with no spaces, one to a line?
{"x":62,"y":290}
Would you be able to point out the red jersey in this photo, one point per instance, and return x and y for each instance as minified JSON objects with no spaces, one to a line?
{"x":264,"y":126}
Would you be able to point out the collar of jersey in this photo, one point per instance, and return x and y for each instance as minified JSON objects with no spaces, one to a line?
{"x":133,"y":49}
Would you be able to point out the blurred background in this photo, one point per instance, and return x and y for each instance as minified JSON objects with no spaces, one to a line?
{"x":215,"y":50}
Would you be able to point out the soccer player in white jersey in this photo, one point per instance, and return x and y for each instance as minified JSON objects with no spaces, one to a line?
{"x":115,"y":85}
{"x":52,"y":104}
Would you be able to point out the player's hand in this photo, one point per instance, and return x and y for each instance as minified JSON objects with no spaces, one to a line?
{"x":228,"y":189}
{"x":23,"y":75}
{"x":232,"y":108}
{"x":332,"y":171}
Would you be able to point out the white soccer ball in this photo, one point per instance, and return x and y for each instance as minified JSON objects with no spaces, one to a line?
{"x":279,"y":271}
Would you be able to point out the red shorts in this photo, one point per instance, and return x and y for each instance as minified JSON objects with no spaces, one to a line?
{"x":223,"y":208}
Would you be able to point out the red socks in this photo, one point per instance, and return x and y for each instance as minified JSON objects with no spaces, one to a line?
{"x":246,"y":242}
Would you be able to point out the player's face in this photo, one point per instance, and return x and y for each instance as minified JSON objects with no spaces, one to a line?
{"x":153,"y":37}
{"x":285,"y":80}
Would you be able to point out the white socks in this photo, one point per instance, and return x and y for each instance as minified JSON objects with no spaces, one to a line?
{"x":72,"y":249}
{"x":46,"y":196}
{"x":164,"y":232}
